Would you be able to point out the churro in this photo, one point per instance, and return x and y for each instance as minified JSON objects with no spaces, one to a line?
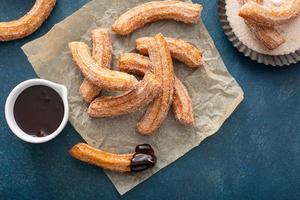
{"x":180,"y":50}
{"x":29,"y":23}
{"x":102,"y":54}
{"x":270,"y":16}
{"x":182,"y":104}
{"x":143,"y":158}
{"x":268,"y":36}
{"x":133,"y":63}
{"x":140,"y":15}
{"x":137,"y":64}
{"x":102,"y":77}
{"x":142,"y":95}
{"x":162,"y":67}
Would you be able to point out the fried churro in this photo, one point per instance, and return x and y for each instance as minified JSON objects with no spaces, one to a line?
{"x":140,"y":15}
{"x":102,"y":54}
{"x":268,"y":36}
{"x":143,"y":158}
{"x":29,"y":23}
{"x":102,"y":77}
{"x":142,"y":95}
{"x":182,"y":105}
{"x":270,"y":16}
{"x":162,"y":67}
{"x":134,"y":63}
{"x":180,"y":50}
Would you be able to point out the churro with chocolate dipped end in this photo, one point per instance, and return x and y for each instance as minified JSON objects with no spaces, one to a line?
{"x":270,"y":16}
{"x":29,"y":23}
{"x":142,"y":95}
{"x":180,"y":50}
{"x":102,"y":54}
{"x":162,"y":67}
{"x":137,"y":64}
{"x":143,"y":158}
{"x":152,"y":11}
{"x":102,"y":77}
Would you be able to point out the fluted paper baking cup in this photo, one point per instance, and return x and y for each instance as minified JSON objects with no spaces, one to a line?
{"x":273,"y":60}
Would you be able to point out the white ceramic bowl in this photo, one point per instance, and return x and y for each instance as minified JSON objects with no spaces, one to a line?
{"x":9,"y":109}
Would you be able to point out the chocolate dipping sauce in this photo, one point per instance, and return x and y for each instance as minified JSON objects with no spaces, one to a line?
{"x":143,"y":158}
{"x":39,"y":110}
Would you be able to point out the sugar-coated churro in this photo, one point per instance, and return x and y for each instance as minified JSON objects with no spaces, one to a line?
{"x":182,"y":105}
{"x":142,"y":95}
{"x":268,"y":36}
{"x":29,"y":23}
{"x":102,"y":54}
{"x":156,"y":10}
{"x":143,"y":158}
{"x":270,"y":16}
{"x":102,"y":77}
{"x":134,"y":63}
{"x":180,"y":50}
{"x":162,"y":67}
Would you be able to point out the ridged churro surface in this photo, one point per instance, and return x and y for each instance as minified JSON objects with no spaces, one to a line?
{"x":268,"y":36}
{"x":111,"y":106}
{"x":182,"y":104}
{"x":102,"y":54}
{"x":180,"y":50}
{"x":102,"y":77}
{"x":27,"y":24}
{"x":145,"y":13}
{"x":162,"y":67}
{"x":270,"y":16}
{"x":91,"y":155}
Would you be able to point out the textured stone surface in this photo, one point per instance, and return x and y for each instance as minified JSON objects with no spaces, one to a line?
{"x":255,"y":155}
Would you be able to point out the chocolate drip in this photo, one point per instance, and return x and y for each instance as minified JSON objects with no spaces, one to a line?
{"x":143,"y":158}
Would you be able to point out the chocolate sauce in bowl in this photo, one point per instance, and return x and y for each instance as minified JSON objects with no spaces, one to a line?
{"x":39,"y":110}
{"x":143,"y":158}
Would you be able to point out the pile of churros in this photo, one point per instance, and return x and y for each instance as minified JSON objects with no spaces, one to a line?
{"x":159,"y":88}
{"x":262,"y":20}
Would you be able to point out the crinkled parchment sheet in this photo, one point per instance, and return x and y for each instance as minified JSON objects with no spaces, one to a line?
{"x":215,"y":94}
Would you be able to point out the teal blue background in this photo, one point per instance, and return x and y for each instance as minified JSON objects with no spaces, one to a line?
{"x":255,"y":155}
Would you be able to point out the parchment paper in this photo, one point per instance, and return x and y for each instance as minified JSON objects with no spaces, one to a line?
{"x":215,"y":94}
{"x":290,"y":31}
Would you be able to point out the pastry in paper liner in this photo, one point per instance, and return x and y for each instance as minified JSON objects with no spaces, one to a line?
{"x":272,"y":60}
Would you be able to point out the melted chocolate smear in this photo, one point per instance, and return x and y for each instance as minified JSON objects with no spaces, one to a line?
{"x":143,"y":158}
{"x":39,"y":110}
